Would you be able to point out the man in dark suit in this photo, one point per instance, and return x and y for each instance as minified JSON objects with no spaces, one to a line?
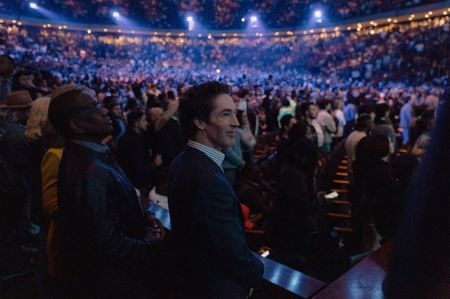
{"x":212,"y":256}
{"x":102,"y":231}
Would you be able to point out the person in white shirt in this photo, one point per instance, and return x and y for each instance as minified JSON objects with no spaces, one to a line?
{"x":326,"y":121}
{"x":339,"y":115}
{"x":362,"y":129}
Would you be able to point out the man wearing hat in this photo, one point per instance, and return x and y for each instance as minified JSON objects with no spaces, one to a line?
{"x":14,"y":163}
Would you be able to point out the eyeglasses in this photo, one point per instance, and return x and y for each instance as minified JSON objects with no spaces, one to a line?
{"x":80,"y":111}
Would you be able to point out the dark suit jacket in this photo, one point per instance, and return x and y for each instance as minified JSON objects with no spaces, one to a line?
{"x":100,"y":223}
{"x":208,"y":234}
{"x":135,"y":160}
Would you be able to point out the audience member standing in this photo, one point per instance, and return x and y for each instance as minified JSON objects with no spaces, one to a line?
{"x":102,"y":231}
{"x":15,"y":186}
{"x":134,"y":156}
{"x":362,"y":129}
{"x":327,"y":124}
{"x":406,"y":115}
{"x":211,"y":254}
{"x":383,"y":126}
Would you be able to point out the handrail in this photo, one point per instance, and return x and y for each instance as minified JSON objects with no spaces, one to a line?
{"x":291,"y":280}
{"x":364,"y":280}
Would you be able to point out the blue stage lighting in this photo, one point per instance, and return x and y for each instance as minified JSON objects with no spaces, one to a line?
{"x":116,"y":14}
{"x":243,"y":20}
{"x":33,"y":5}
{"x":318,"y":14}
{"x":253,"y":19}
{"x":190,"y":19}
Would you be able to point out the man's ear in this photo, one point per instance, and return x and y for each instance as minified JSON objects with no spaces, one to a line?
{"x":76,"y":127}
{"x":200,"y":124}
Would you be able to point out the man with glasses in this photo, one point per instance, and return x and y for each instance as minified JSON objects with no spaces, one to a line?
{"x":101,"y":228}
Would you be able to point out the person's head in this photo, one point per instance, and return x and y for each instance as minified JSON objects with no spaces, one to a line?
{"x":285,"y":102}
{"x":207,"y":115}
{"x":38,"y":118}
{"x":297,"y":132}
{"x":243,"y":93}
{"x":155,"y":113}
{"x":364,"y":123}
{"x":338,"y":105}
{"x":17,"y":106}
{"x":22,"y":80}
{"x":132,"y":104}
{"x":114,"y":109}
{"x":286,"y":122}
{"x":381,"y":111}
{"x":75,"y":114}
{"x":308,"y":110}
{"x":115,"y":94}
{"x":377,"y":147}
{"x":137,"y":121}
{"x":171,"y":95}
{"x":324,"y":104}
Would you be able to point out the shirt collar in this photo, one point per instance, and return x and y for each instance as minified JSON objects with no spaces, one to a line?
{"x":213,"y":154}
{"x":100,"y":148}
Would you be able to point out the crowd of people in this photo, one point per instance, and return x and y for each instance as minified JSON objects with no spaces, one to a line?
{"x":97,"y":99}
{"x":220,"y":14}
{"x":402,"y":54}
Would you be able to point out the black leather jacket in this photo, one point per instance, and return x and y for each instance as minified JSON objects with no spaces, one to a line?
{"x":100,"y":224}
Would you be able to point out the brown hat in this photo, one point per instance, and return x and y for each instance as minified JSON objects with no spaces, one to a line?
{"x":17,"y":100}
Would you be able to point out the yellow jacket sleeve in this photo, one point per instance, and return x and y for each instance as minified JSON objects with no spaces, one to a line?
{"x":49,"y":173}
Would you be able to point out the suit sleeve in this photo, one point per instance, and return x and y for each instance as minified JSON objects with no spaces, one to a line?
{"x":102,"y":214}
{"x":225,"y":231}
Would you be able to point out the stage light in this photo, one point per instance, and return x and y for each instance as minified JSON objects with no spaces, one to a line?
{"x":243,"y":20}
{"x":318,"y":14}
{"x":218,"y":71}
{"x":191,"y":23}
{"x":253,"y":19}
{"x":116,"y":14}
{"x":33,"y":5}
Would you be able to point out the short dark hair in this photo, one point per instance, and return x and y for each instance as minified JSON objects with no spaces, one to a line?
{"x":305,"y":107}
{"x":363,"y":122}
{"x":242,"y":93}
{"x":285,"y":120}
{"x":61,"y":109}
{"x":323,"y":103}
{"x":134,"y":116}
{"x":381,"y":109}
{"x":377,"y":146}
{"x":297,"y":132}
{"x":198,"y":103}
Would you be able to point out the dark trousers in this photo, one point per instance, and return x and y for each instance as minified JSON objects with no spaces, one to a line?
{"x":15,"y":209}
